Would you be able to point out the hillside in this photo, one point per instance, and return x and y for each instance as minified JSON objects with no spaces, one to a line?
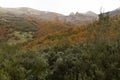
{"x":19,"y":30}
{"x":20,"y":25}
{"x":99,"y":30}
{"x":34,"y":48}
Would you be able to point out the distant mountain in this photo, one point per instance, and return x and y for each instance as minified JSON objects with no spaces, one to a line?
{"x":45,"y":15}
{"x":90,"y":13}
{"x":29,"y":12}
{"x":81,"y":17}
{"x":115,"y":12}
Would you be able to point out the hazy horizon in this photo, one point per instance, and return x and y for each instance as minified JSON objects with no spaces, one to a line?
{"x":63,"y":6}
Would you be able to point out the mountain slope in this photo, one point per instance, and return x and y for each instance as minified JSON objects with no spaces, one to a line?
{"x":99,"y":30}
{"x":114,"y":12}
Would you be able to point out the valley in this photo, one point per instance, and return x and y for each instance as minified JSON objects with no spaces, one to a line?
{"x":40,"y":45}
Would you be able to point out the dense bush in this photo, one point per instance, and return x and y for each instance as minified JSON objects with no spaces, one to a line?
{"x":85,"y":61}
{"x":20,"y":65}
{"x":82,"y":61}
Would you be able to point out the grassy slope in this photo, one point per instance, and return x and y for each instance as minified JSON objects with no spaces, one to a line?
{"x":20,"y":30}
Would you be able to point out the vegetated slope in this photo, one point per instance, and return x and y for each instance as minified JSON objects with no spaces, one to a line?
{"x":22,"y":29}
{"x":107,"y":28}
{"x":19,"y":25}
{"x":16,"y":29}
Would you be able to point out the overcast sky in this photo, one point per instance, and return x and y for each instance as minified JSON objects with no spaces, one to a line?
{"x":64,"y":6}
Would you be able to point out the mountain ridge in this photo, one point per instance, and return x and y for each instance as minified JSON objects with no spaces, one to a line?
{"x":46,"y":15}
